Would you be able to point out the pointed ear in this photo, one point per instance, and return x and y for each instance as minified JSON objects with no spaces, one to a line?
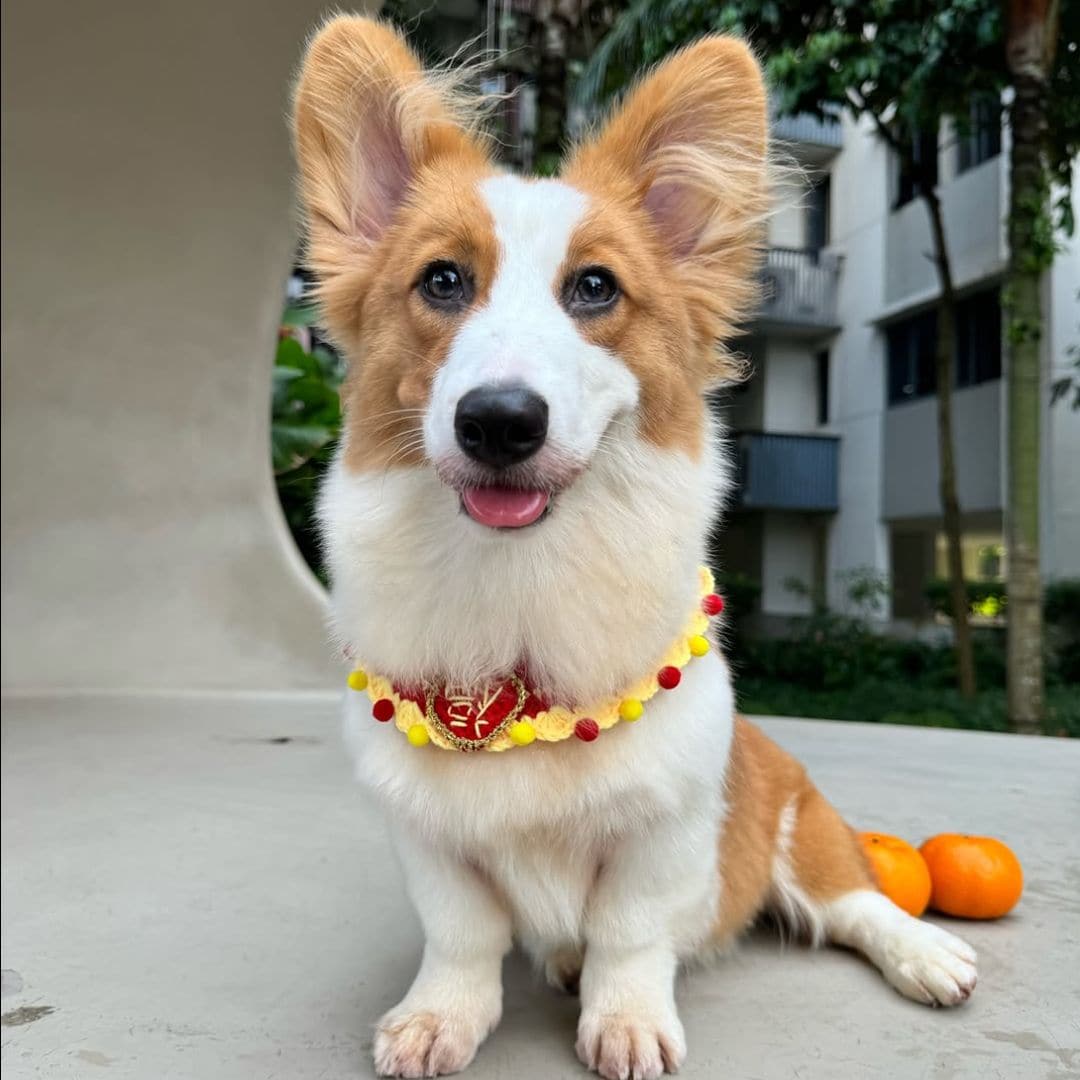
{"x":366,"y":119}
{"x":690,"y":138}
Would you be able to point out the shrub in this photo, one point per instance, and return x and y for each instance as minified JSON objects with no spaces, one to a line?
{"x":1061,"y":599}
{"x":305,"y":419}
{"x":984,"y":597}
{"x":903,"y":702}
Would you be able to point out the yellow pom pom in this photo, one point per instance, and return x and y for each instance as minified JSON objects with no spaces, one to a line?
{"x":522,"y":733}
{"x":630,"y":709}
{"x":699,"y":645}
{"x":357,"y":680}
{"x":418,"y":735}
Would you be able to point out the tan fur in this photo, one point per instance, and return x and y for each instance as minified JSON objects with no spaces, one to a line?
{"x":699,"y":122}
{"x":358,"y":76}
{"x":761,"y":780}
{"x":651,"y":327}
{"x":404,"y":340}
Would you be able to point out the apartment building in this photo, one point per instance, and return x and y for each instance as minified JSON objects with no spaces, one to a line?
{"x":835,"y":433}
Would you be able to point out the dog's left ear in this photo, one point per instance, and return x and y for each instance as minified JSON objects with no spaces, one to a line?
{"x":690,"y":140}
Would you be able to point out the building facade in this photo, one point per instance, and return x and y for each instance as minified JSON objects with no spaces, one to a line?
{"x":834,"y":434}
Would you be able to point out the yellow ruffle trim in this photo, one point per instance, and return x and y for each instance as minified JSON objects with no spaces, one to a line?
{"x":556,"y":723}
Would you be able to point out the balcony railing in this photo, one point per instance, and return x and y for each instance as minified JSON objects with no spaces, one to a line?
{"x":787,"y":472}
{"x":800,"y":289}
{"x":808,"y":130}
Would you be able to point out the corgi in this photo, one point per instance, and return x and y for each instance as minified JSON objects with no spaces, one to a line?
{"x":515,"y":524}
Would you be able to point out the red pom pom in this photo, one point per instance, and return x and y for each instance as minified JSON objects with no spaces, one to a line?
{"x":383,"y":710}
{"x":712,"y":604}
{"x":669,"y":677}
{"x":586,"y":730}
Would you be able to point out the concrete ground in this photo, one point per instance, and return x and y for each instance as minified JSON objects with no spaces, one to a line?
{"x":193,"y":888}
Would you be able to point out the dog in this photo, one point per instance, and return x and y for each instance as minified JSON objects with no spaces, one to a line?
{"x":515,"y":523}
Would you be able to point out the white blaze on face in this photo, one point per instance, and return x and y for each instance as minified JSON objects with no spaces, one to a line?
{"x":524,"y":335}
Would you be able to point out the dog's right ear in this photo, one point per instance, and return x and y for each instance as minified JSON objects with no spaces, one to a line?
{"x":366,"y":119}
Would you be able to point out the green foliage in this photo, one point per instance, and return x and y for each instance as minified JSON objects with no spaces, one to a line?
{"x":1061,"y":602}
{"x":984,"y":597}
{"x":903,"y":63}
{"x":305,"y":420}
{"x":838,"y":667}
{"x":1061,"y":599}
{"x":1063,"y":113}
{"x":837,"y":652}
{"x":901,"y":701}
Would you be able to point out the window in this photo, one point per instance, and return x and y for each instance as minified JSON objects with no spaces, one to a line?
{"x":817,"y":216}
{"x":911,"y":344}
{"x":923,"y":168}
{"x":979,"y":138}
{"x":822,"y":360}
{"x":911,"y":357}
{"x":978,"y":339}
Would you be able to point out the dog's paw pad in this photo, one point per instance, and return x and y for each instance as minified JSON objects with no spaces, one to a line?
{"x":629,"y":1047}
{"x":423,"y":1044}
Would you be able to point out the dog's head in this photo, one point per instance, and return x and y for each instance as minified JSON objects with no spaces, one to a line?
{"x":502,"y":331}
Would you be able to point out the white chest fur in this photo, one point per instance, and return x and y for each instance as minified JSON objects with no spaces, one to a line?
{"x":591,"y":597}
{"x":538,"y":820}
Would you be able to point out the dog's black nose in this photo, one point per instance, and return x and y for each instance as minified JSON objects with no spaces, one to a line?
{"x":501,"y":425}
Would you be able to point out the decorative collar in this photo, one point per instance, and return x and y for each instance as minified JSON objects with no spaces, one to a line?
{"x":510,"y":713}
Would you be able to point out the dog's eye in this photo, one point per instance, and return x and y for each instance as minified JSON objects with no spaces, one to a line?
{"x":595,"y":288}
{"x":444,"y":283}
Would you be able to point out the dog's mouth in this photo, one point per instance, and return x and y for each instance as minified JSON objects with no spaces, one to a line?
{"x":505,"y":507}
{"x":512,"y":498}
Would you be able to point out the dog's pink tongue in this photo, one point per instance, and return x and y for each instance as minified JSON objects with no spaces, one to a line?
{"x":504,"y":508}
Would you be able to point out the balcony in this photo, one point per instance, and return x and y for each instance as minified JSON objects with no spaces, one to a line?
{"x":786,"y":472}
{"x":809,"y":131}
{"x":799,"y":292}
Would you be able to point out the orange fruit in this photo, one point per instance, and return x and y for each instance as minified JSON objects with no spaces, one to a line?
{"x":974,"y":877}
{"x":900,"y":871}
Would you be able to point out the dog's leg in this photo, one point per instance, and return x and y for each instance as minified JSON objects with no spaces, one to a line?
{"x":651,"y":904}
{"x":455,"y":1000}
{"x":821,"y":879}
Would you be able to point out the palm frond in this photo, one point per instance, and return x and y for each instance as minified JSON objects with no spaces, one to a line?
{"x":625,"y":45}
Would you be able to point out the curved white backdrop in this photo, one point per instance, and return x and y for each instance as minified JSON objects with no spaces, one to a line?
{"x":148,"y":232}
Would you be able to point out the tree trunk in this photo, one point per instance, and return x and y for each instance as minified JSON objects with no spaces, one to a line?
{"x":553,"y":26}
{"x":950,"y":502}
{"x":1030,"y":38}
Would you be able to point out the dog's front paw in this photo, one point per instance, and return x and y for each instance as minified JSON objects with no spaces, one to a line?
{"x":622,"y":1046}
{"x":426,"y":1043}
{"x":931,"y":965}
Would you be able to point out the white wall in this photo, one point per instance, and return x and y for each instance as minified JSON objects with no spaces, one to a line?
{"x":971,"y":205}
{"x":1060,"y":526}
{"x":790,"y":387}
{"x":911,"y":459}
{"x":885,"y":271}
{"x":788,"y":551}
{"x":148,"y":234}
{"x":860,"y":193}
{"x":787,"y":225}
